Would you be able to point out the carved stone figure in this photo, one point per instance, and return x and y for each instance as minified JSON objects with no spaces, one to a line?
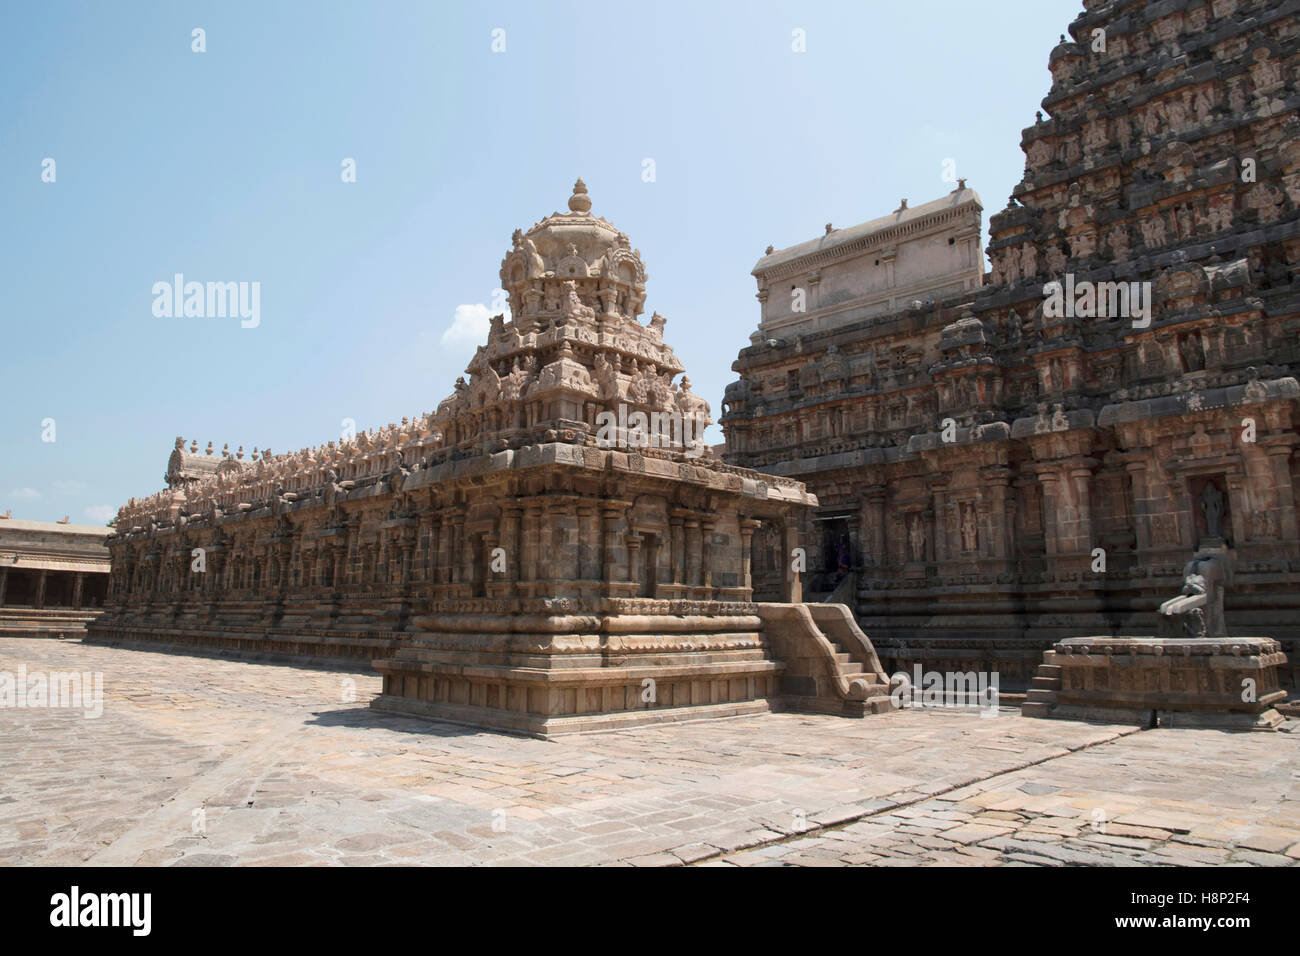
{"x":1153,"y":231}
{"x":1117,"y":237}
{"x":969,"y":529}
{"x":916,"y":538}
{"x":1029,"y":260}
{"x":1198,"y":610}
{"x":1210,"y":501}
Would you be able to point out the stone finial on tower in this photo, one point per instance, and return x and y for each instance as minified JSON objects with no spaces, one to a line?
{"x":579,"y":202}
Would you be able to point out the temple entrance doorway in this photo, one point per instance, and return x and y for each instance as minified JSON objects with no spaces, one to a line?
{"x":649,"y":565}
{"x":836,"y":553}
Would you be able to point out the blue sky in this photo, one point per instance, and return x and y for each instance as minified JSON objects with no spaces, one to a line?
{"x":225,"y":166}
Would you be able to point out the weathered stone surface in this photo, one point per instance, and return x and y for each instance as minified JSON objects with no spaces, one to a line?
{"x":974,"y":449}
{"x":553,"y":550}
{"x":53,"y":576}
{"x":1226,"y":683}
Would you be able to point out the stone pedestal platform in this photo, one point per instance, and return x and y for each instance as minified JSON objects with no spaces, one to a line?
{"x":568,"y":666}
{"x":1222,"y":682}
{"x":547,"y":673}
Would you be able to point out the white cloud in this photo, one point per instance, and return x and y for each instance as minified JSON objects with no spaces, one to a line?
{"x":470,"y":325}
{"x":100,"y":513}
{"x":25,"y":494}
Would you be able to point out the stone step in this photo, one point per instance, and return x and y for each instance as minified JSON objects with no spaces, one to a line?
{"x":876,"y":691}
{"x":1033,"y":708}
{"x":1039,"y":695}
{"x":881,"y":705}
{"x":1049,"y":670}
{"x":874,"y":687}
{"x":1046,"y":683}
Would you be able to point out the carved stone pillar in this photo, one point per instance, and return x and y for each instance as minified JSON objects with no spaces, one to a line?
{"x":611,"y":518}
{"x":442,"y":561}
{"x":1081,"y":476}
{"x":706,"y":553}
{"x":633,"y":542}
{"x":747,"y":527}
{"x":372,"y":563}
{"x":567,"y":540}
{"x":873,"y":522}
{"x":407,"y":549}
{"x":490,"y":543}
{"x":510,"y":521}
{"x":1001,"y":512}
{"x":460,"y":552}
{"x":4,"y":580}
{"x":339,"y":574}
{"x":1137,"y":471}
{"x":693,"y":555}
{"x":677,"y":545}
{"x":40,"y":589}
{"x":941,"y":547}
{"x":588,"y":542}
{"x":986,"y":541}
{"x":934,"y":529}
{"x":1279,"y":461}
{"x":532,"y":553}
{"x":1051,"y":522}
{"x":1238,"y":499}
{"x":792,"y":592}
{"x":547,"y":560}
{"x":78,"y":583}
{"x":419,"y":556}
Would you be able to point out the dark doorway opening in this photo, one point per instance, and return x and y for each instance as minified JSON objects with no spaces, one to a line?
{"x":649,"y":565}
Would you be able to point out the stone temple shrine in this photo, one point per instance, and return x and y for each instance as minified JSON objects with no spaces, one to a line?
{"x":553,"y":549}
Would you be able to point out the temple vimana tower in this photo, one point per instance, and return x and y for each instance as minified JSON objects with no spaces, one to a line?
{"x":553,"y":549}
{"x":1013,"y":458}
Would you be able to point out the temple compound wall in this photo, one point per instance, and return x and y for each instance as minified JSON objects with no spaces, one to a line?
{"x":53,"y":576}
{"x":535,"y":555}
{"x":1038,"y":457}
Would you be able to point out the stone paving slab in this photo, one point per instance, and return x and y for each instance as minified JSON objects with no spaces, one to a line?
{"x":207,"y":762}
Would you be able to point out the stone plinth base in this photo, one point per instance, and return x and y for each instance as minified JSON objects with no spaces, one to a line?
{"x":624,"y":662}
{"x":1226,"y":683}
{"x":45,"y":622}
{"x":568,"y":671}
{"x":308,"y":646}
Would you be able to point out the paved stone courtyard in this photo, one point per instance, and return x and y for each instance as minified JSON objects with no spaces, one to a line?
{"x":197,"y":761}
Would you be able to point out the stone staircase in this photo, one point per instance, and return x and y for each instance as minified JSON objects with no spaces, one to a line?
{"x":1042,"y":689}
{"x":45,"y":622}
{"x":830,"y":666}
{"x":874,"y":689}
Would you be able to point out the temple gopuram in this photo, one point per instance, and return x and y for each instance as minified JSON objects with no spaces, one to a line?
{"x":553,"y":549}
{"x":1036,"y":455}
